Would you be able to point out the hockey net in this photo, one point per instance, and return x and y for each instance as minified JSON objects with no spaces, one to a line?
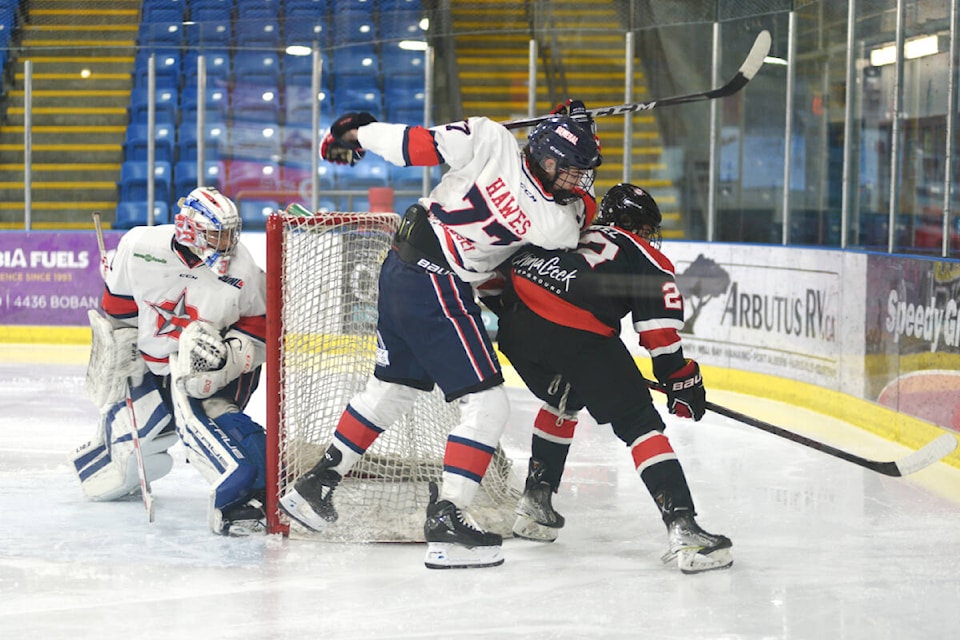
{"x":322,"y":275}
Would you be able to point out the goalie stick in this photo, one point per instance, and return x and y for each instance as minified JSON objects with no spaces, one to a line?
{"x":135,"y":433}
{"x":911,"y":463}
{"x":751,"y":65}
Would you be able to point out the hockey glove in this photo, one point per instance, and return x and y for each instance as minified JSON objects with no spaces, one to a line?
{"x":338,"y":147}
{"x":208,"y":362}
{"x":686,"y":396}
{"x":577,"y":111}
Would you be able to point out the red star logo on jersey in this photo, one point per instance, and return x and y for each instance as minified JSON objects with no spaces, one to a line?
{"x":173,"y":316}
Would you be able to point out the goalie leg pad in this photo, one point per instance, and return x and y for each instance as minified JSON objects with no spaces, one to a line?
{"x":106,"y":465}
{"x":228,"y":451}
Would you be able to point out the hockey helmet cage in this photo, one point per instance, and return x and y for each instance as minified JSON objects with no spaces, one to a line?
{"x":209,"y":225}
{"x":629,"y":207}
{"x":575,"y":150}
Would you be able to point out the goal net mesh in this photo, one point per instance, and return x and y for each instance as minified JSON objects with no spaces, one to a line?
{"x":328,"y":313}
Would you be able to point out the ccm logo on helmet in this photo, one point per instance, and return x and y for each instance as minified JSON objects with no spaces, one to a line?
{"x":563,"y":132}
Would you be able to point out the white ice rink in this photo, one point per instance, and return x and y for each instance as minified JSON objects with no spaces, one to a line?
{"x":823,"y":549}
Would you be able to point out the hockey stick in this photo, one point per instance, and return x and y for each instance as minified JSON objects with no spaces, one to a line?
{"x":919,"y":459}
{"x":135,"y":434}
{"x":751,"y":65}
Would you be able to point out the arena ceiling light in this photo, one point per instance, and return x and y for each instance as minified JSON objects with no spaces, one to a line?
{"x":912,"y":49}
{"x":413,"y":45}
{"x":298,"y":50}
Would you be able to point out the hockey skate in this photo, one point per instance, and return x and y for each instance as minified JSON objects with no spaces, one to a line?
{"x":536,"y":518}
{"x":694,"y":549}
{"x":310,"y":502}
{"x":241,"y":520}
{"x":454,"y":539}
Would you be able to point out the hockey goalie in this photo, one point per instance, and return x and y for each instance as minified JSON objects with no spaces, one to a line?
{"x":177,"y":351}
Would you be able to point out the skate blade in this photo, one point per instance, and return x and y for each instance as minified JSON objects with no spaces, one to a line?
{"x":691,"y":561}
{"x":528,"y":529}
{"x":299,"y":510}
{"x":446,"y":555}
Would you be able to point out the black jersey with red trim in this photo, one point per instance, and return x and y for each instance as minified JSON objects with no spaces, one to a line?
{"x":611,"y":273}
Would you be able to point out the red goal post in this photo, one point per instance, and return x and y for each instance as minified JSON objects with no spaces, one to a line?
{"x":322,"y":273}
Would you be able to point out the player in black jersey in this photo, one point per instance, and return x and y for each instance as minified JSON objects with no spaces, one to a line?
{"x":560,"y":328}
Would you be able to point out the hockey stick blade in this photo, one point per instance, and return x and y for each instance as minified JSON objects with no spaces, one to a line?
{"x":751,"y":65}
{"x":919,"y":459}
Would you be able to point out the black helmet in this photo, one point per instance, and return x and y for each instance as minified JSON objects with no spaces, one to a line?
{"x":572,"y":145}
{"x":629,"y":207}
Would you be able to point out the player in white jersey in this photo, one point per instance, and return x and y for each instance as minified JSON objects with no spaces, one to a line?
{"x":182,"y":334}
{"x":495,"y":198}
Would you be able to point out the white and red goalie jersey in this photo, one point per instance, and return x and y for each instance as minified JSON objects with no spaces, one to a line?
{"x":161,"y":287}
{"x":488,"y":204}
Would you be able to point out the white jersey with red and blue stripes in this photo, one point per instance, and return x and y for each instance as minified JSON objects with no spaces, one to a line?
{"x":488,"y":204}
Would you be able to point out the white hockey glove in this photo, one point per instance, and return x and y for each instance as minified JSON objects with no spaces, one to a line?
{"x":207,"y":362}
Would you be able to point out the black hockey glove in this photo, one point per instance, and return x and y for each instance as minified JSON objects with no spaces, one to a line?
{"x":577,"y":111}
{"x":335,"y":148}
{"x":686,"y":396}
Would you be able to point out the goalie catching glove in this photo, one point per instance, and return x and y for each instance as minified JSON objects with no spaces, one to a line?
{"x":340,"y":146}
{"x":686,"y":396}
{"x":208,"y":362}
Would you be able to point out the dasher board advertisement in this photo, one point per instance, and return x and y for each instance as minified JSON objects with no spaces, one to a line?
{"x":774,"y":310}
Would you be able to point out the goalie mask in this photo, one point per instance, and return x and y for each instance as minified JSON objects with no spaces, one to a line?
{"x":563,"y":155}
{"x":209,"y":225}
{"x":632,"y":208}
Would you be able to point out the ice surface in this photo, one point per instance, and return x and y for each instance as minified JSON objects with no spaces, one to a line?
{"x":822,"y":548}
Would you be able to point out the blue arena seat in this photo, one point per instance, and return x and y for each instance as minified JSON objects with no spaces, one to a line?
{"x":298,"y":70}
{"x":214,"y":141}
{"x":401,"y":25}
{"x":262,"y":32}
{"x":161,"y":34}
{"x":217,"y":63}
{"x":135,"y":145}
{"x":216,"y":33}
{"x":131,"y":214}
{"x":372,"y":172}
{"x":216,"y":104}
{"x":167,"y":68}
{"x":397,"y":61}
{"x":254,"y":10}
{"x":352,"y":26}
{"x":257,"y":67}
{"x":134,"y":177}
{"x":256,"y":103}
{"x":361,"y":59}
{"x":255,"y":140}
{"x":165,"y":106}
{"x":255,"y":211}
{"x":185,"y":177}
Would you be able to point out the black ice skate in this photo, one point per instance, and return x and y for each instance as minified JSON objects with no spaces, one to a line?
{"x":536,"y":518}
{"x":310,"y":502}
{"x":243,"y":519}
{"x":694,"y":549}
{"x":454,"y":539}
